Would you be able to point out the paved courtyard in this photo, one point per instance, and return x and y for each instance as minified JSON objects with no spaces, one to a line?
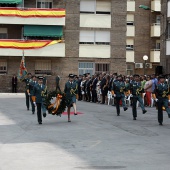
{"x":94,"y":140}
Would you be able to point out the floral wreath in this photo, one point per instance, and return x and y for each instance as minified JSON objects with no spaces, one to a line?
{"x":59,"y":106}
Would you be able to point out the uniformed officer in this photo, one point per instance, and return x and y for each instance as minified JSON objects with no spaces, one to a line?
{"x":71,"y":90}
{"x":27,"y":81}
{"x":32,"y":83}
{"x":136,"y":91}
{"x":161,"y":95}
{"x":118,"y":91}
{"x":38,"y":91}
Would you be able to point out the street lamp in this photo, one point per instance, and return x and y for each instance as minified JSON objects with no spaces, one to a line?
{"x":145,"y":58}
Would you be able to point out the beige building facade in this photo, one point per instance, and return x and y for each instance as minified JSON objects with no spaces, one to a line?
{"x":97,"y":35}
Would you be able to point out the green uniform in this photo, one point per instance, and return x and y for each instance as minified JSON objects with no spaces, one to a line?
{"x":162,"y":91}
{"x":71,"y":92}
{"x":119,"y":89}
{"x":136,"y":91}
{"x":38,"y":93}
{"x":27,"y":82}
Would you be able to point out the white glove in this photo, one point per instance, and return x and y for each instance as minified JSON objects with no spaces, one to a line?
{"x":156,"y":100}
{"x":114,"y":95}
{"x":28,"y":94}
{"x":169,"y":101}
{"x":34,"y":104}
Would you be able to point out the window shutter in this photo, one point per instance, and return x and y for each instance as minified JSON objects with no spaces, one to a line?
{"x":87,"y":36}
{"x":87,"y":6}
{"x":102,"y":36}
{"x":103,"y":5}
{"x":129,"y":42}
{"x":130,"y":17}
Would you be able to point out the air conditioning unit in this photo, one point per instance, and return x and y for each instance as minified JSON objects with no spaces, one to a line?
{"x":138,"y":65}
{"x":148,"y":65}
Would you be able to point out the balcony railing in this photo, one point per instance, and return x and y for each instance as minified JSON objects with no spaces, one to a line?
{"x":156,"y":5}
{"x":32,"y":16}
{"x":155,"y":56}
{"x":130,"y":5}
{"x":155,"y":30}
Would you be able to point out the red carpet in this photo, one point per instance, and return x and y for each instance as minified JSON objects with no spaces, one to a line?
{"x":71,"y":113}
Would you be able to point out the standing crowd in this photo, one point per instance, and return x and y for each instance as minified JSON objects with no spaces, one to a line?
{"x":147,"y":90}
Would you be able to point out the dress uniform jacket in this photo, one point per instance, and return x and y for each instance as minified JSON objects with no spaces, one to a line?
{"x":38,"y":91}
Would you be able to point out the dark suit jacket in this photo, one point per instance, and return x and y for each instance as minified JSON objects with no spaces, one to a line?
{"x":102,"y":83}
{"x":14,"y":80}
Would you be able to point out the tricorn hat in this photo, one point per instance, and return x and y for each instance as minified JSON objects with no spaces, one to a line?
{"x":136,"y":75}
{"x":40,"y":77}
{"x":71,"y":75}
{"x":161,"y":76}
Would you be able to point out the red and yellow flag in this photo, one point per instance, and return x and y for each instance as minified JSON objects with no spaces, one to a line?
{"x":26,"y":44}
{"x":32,"y":12}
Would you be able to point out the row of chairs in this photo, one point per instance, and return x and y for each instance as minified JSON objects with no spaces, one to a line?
{"x":127,"y":99}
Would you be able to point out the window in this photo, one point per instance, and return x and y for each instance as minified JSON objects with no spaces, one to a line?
{"x":158,"y":19}
{"x":158,"y":45}
{"x":86,"y":67}
{"x":3,"y":67}
{"x":3,"y":33}
{"x":129,"y":44}
{"x":129,"y":69}
{"x":99,"y":68}
{"x":43,"y":67}
{"x":94,"y":37}
{"x":129,"y":47}
{"x":44,"y":3}
{"x":130,"y":19}
{"x":95,"y":6}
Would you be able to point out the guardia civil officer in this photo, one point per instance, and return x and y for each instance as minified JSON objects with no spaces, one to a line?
{"x":161,"y":95}
{"x":38,"y":91}
{"x":71,"y":89}
{"x":118,"y":91}
{"x":136,"y":92}
{"x":31,"y":85}
{"x":27,"y":82}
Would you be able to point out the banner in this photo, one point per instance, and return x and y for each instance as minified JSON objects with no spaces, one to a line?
{"x":22,"y":69}
{"x":32,"y":12}
{"x":26,"y":44}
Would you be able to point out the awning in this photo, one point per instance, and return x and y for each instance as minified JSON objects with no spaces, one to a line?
{"x":43,"y":31}
{"x":10,"y":1}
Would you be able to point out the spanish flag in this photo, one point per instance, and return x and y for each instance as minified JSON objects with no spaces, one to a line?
{"x":22,"y":69}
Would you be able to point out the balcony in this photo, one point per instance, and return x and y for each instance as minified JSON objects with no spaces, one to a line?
{"x":32,"y":16}
{"x":155,"y":30}
{"x":168,"y":10}
{"x":155,"y":56}
{"x":130,"y":56}
{"x":95,"y":20}
{"x":168,"y":47}
{"x":130,"y":31}
{"x":130,"y":5}
{"x":94,"y":51}
{"x":55,"y":50}
{"x":156,"y":5}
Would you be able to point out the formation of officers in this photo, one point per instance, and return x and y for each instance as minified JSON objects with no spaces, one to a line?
{"x":141,"y":89}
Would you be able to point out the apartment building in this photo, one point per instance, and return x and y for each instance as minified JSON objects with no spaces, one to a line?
{"x":94,"y":36}
{"x":165,"y":36}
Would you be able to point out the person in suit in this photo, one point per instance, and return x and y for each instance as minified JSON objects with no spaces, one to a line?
{"x":136,"y":91}
{"x":94,"y":92}
{"x":38,"y":91}
{"x":32,"y":83}
{"x":118,"y":91}
{"x":14,"y":84}
{"x":161,"y":95}
{"x":102,"y":84}
{"x":27,"y":81}
{"x":57,"y":80}
{"x":71,"y":89}
{"x":79,"y":88}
